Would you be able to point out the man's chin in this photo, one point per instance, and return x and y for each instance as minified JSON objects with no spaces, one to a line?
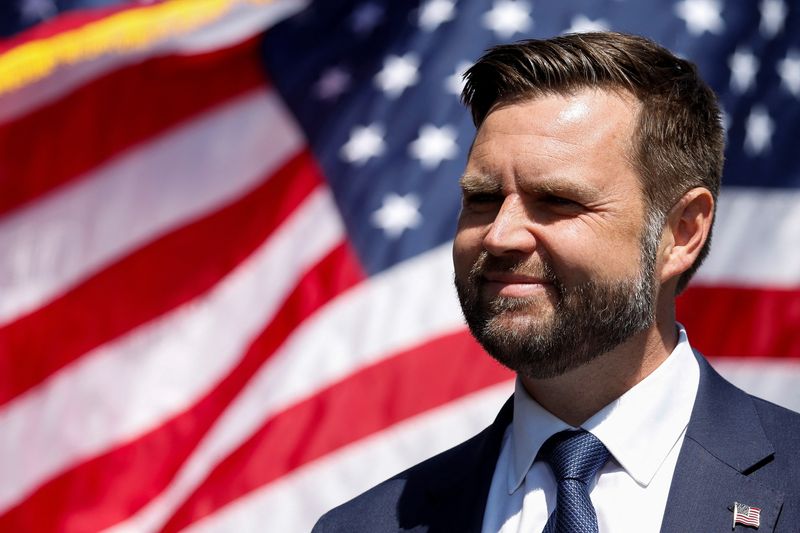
{"x":537,"y":310}
{"x":518,"y":321}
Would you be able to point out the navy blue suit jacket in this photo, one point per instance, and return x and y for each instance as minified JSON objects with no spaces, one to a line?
{"x":737,"y":448}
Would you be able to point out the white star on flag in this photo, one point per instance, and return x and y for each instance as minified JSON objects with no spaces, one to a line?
{"x":744,"y":67}
{"x":701,"y":16}
{"x":397,"y":214}
{"x":789,"y":70}
{"x":583,"y":24}
{"x":759,"y":129}
{"x":773,"y":17}
{"x":398,"y":74}
{"x":37,"y":10}
{"x":333,"y":82}
{"x":365,"y":143}
{"x":434,"y":13}
{"x":434,"y":145}
{"x":508,"y":17}
{"x":366,"y":17}
{"x":454,"y":83}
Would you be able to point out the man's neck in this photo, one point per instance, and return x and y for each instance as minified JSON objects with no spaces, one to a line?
{"x":577,"y":395}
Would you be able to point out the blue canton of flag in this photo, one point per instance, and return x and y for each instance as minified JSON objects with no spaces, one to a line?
{"x":375,"y":87}
{"x":376,"y":92}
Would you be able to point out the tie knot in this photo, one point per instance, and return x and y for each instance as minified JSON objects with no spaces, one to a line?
{"x":574,"y":455}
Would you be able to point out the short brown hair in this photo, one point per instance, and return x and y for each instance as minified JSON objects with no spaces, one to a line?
{"x":678,"y":142}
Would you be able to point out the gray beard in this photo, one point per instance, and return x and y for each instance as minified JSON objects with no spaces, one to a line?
{"x":589,"y":319}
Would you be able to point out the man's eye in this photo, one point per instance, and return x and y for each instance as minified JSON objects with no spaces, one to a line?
{"x":481,"y":198}
{"x":560,"y":201}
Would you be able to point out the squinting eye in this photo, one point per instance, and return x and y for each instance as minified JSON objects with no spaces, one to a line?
{"x":560,"y":201}
{"x":481,"y":198}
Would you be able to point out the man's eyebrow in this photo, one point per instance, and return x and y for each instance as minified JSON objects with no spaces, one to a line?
{"x":476,"y":183}
{"x":556,"y":186}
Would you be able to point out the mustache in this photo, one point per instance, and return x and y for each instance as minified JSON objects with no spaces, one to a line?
{"x":489,"y":263}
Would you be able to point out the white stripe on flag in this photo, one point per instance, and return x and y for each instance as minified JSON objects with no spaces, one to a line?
{"x":775,"y":380}
{"x":130,"y":385}
{"x":147,"y":191}
{"x":241,"y":22}
{"x":755,"y":239}
{"x":297,"y":500}
{"x":397,"y":309}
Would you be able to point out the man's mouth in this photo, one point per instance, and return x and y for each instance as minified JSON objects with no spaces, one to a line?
{"x":513,"y":285}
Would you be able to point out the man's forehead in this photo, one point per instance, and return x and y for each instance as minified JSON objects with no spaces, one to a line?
{"x":575,"y":144}
{"x":569,"y":117}
{"x":574,"y":104}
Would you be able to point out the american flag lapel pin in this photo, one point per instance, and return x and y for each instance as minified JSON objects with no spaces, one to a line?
{"x":746,"y":515}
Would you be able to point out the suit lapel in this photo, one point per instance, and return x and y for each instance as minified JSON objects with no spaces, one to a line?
{"x":458,"y":503}
{"x":724,"y":443}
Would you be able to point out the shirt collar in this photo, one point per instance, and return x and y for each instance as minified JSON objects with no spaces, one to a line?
{"x":639,"y":428}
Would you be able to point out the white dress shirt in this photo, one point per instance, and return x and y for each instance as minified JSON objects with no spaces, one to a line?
{"x":643,"y":430}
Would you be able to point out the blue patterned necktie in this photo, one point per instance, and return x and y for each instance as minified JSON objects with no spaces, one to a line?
{"x":575,"y":457}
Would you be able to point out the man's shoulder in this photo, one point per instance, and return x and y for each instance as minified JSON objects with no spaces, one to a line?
{"x":739,"y":419}
{"x":780,"y":471}
{"x":778,"y":421}
{"x":782,"y":428}
{"x":406,"y":498}
{"x":377,"y":508}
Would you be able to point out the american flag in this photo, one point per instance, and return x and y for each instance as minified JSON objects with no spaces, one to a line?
{"x":226,"y":283}
{"x":746,"y":515}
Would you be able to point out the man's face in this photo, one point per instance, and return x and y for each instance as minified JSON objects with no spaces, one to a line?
{"x":552,"y":261}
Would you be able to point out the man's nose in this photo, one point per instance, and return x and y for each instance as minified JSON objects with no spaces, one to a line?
{"x":512,"y":229}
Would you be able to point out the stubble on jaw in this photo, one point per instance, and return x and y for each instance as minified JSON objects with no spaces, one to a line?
{"x":543,"y":339}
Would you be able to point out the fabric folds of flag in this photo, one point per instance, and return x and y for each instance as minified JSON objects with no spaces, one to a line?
{"x":226,"y":282}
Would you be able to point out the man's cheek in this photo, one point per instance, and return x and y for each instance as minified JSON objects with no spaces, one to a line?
{"x":463,"y":257}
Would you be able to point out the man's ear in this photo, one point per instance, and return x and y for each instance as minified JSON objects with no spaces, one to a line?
{"x":687,"y":229}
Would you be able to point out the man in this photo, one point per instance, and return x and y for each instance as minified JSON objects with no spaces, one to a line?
{"x":588,"y":201}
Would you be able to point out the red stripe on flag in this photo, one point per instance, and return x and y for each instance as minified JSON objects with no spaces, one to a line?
{"x":75,"y":134}
{"x":366,"y":402}
{"x":742,"y":322}
{"x":156,"y":278}
{"x":109,"y":488}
